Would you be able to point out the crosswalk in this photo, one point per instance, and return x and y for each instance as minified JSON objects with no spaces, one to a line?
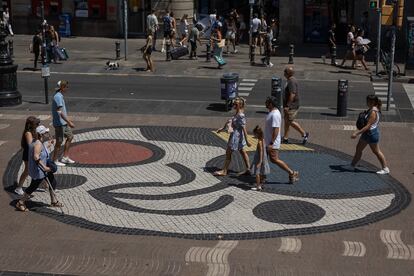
{"x":409,"y":89}
{"x":381,"y":91}
{"x":246,"y":86}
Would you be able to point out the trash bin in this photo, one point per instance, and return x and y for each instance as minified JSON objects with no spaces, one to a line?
{"x":277,"y":91}
{"x":229,"y":89}
{"x":64,"y":25}
{"x":342,"y":100}
{"x":229,"y":86}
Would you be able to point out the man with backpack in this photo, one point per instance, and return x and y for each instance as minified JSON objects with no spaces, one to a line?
{"x":167,"y":30}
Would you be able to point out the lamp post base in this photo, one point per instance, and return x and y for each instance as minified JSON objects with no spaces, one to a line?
{"x":9,"y":96}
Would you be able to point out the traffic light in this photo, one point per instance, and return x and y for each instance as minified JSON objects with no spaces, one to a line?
{"x":400,"y":14}
{"x":373,"y":4}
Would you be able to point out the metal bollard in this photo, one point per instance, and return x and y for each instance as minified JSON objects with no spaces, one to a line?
{"x":333,"y":55}
{"x":168,"y":51}
{"x":118,"y":49}
{"x":252,"y":54}
{"x":277,"y":91}
{"x":291,"y":53}
{"x":342,"y":100}
{"x":11,"y":50}
{"x":208,"y":50}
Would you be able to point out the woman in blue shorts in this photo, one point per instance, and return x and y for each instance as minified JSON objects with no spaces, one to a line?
{"x":370,"y":134}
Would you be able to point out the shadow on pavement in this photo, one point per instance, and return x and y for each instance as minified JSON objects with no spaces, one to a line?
{"x":343,"y":168}
{"x":216,"y":107}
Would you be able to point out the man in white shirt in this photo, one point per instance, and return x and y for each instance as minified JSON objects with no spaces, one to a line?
{"x":152,"y":27}
{"x":256,"y":23}
{"x":273,"y":124}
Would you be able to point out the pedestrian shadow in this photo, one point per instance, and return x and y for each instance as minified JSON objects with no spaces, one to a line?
{"x":216,"y":107}
{"x":31,"y":69}
{"x":30,"y":204}
{"x":328,"y":114}
{"x":343,"y":168}
{"x":210,"y":67}
{"x":139,"y":69}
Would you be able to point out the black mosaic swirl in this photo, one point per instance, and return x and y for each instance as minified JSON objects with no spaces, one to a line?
{"x":174,"y":134}
{"x":289,"y":212}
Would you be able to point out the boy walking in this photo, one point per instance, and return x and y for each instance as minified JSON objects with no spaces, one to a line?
{"x":63,"y":126}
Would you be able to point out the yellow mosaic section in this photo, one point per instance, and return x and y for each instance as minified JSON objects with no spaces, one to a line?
{"x":285,"y":147}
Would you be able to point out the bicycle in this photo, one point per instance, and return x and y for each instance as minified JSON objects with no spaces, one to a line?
{"x":385,"y":59}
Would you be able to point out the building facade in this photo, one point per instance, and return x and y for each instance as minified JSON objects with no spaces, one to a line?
{"x":301,"y":21}
{"x":92,"y":17}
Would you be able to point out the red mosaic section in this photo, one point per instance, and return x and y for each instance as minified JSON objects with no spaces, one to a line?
{"x":108,"y":152}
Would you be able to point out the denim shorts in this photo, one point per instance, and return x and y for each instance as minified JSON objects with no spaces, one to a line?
{"x":371,"y":136}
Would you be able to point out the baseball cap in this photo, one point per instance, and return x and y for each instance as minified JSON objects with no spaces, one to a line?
{"x":42,"y":129}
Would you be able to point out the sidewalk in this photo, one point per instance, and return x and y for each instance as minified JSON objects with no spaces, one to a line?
{"x":89,"y":55}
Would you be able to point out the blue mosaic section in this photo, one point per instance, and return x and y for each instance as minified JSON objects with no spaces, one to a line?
{"x":322,"y":173}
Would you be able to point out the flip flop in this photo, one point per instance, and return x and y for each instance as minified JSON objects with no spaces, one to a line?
{"x":219,"y":174}
{"x":21,"y":206}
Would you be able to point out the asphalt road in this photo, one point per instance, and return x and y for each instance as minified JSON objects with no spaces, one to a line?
{"x":176,"y":96}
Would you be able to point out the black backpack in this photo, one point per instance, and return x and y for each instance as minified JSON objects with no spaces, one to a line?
{"x":362,"y":119}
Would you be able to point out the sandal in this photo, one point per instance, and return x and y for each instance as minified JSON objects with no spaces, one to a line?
{"x":56,"y":204}
{"x":219,"y":173}
{"x":21,"y":206}
{"x":293,"y":177}
{"x":245,"y":173}
{"x":258,"y":188}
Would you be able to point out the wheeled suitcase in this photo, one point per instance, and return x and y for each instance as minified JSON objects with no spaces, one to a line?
{"x":178,"y":52}
{"x":59,"y":54}
{"x":65,"y":53}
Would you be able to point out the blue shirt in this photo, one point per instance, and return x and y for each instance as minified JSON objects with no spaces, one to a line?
{"x":58,"y":102}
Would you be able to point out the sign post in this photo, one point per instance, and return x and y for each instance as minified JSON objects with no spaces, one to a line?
{"x":126,"y":28}
{"x":251,"y":3}
{"x":45,"y":67}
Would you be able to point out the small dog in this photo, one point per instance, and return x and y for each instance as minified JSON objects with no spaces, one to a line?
{"x":112,"y":65}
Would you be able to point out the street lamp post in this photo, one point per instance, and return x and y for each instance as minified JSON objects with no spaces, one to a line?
{"x":9,"y":95}
{"x":45,"y":67}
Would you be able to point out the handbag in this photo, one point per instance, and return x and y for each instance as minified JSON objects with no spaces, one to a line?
{"x":221,"y":44}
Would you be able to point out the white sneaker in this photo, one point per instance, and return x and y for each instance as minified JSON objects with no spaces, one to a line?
{"x":162,"y":50}
{"x":60,"y":164}
{"x":236,"y":51}
{"x":19,"y":191}
{"x":385,"y":170}
{"x":67,"y":160}
{"x":270,"y":64}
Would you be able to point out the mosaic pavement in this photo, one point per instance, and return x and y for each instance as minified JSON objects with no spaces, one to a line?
{"x":158,"y":181}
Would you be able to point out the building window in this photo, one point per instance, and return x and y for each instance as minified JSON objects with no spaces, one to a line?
{"x":90,"y":8}
{"x":52,"y":8}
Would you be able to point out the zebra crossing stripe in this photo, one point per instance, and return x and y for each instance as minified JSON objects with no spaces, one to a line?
{"x":380,"y":88}
{"x":354,"y":249}
{"x":215,"y":257}
{"x":244,"y":94}
{"x":249,"y":80}
{"x":290,"y":245}
{"x":381,"y":93}
{"x":247,"y":84}
{"x":246,"y":88}
{"x":380,"y":84}
{"x":397,"y":249}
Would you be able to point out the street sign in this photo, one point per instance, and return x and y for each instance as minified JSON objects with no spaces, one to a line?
{"x":45,"y":71}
